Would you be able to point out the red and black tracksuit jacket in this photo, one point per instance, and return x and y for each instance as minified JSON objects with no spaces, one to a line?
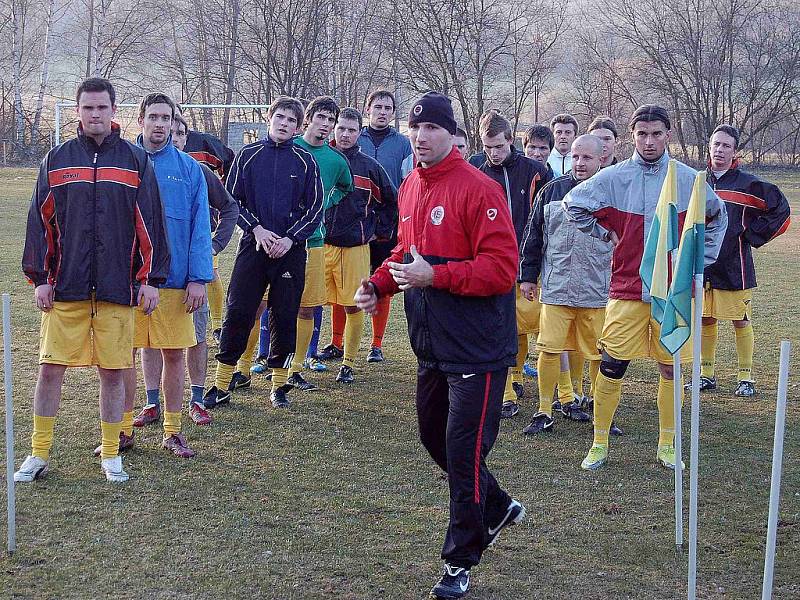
{"x":370,"y":209}
{"x":757,"y":213}
{"x":210,"y":151}
{"x":96,"y":224}
{"x":459,"y":222}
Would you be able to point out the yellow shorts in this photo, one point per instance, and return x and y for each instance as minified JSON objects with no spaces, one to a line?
{"x":71,"y":335}
{"x":314,"y":293}
{"x":215,"y":261}
{"x":629,"y":332}
{"x":728,"y":305}
{"x":169,"y":326}
{"x":569,"y":328}
{"x":344,"y":269}
{"x":527,"y":314}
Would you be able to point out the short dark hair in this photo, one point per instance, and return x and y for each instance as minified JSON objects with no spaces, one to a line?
{"x":178,"y":118}
{"x":380,"y":94}
{"x":493,"y":123}
{"x":564,"y":119}
{"x":156,"y":98}
{"x":353,"y":114}
{"x":729,"y":130}
{"x":96,"y":84}
{"x":288,"y":103}
{"x":649,"y":113}
{"x":603,"y":122}
{"x":321,"y":104}
{"x":461,"y":133}
{"x":539,"y":132}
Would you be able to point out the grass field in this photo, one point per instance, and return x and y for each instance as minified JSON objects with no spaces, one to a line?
{"x":336,"y":498}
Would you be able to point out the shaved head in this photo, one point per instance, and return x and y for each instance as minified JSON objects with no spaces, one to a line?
{"x":594,"y":143}
{"x":587,"y":153}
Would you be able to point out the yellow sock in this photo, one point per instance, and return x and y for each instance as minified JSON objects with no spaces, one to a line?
{"x":224,"y":376}
{"x":576,"y":372}
{"x":522,"y":353}
{"x":353,"y":330}
{"x":172,"y":423}
{"x":508,"y":392}
{"x":594,"y":369}
{"x":279,"y":377}
{"x":127,"y":423}
{"x":42,"y":437}
{"x":666,"y":410}
{"x":744,"y":351}
{"x":305,"y":330}
{"x":549,"y":366}
{"x":109,"y":446}
{"x":216,"y":298}
{"x":708,"y":349}
{"x":246,"y":359}
{"x":606,"y":400}
{"x":564,"y":387}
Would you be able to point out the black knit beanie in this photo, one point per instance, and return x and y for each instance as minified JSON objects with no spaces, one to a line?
{"x":433,"y":107}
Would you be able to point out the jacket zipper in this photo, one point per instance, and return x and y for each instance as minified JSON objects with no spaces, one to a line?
{"x":508,"y":192}
{"x":93,"y":270}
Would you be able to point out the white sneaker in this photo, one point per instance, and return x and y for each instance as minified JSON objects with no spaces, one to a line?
{"x":32,"y":468}
{"x":112,"y":467}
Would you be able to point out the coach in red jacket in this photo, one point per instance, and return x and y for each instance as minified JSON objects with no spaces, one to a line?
{"x":456,"y":261}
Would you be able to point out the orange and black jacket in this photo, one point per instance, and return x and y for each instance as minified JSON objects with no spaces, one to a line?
{"x":369,"y":210}
{"x":96,"y":223}
{"x":757,"y":213}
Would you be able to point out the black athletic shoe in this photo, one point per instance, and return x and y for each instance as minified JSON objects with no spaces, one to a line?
{"x":330,"y":352}
{"x":515,"y":513}
{"x":707,"y":384}
{"x":572,"y":411}
{"x":215,"y":396}
{"x":453,"y":584}
{"x":556,"y":406}
{"x":345,"y":375}
{"x":587,"y":404}
{"x":519,"y":390}
{"x":279,"y":398}
{"x":539,"y":423}
{"x":375,"y":355}
{"x":615,"y":430}
{"x":745,"y":389}
{"x":239,"y":381}
{"x":297,"y":380}
{"x":509,"y":409}
{"x":217,"y":335}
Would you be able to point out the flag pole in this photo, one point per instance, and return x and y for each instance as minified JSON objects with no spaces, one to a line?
{"x":775,"y":480}
{"x":695,"y":433}
{"x":11,"y":500}
{"x":676,"y":358}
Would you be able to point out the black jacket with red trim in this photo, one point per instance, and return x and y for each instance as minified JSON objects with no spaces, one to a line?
{"x":458,"y":219}
{"x":370,"y":209}
{"x":96,"y":223}
{"x":757,"y":213}
{"x":209,"y":151}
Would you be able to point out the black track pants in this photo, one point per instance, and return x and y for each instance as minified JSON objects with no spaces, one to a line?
{"x":459,"y":418}
{"x":252,"y":272}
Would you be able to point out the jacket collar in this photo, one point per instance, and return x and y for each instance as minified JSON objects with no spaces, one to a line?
{"x":111,"y":139}
{"x":270,"y":143}
{"x":508,"y":161}
{"x":165,"y":149}
{"x":350,"y":152}
{"x":710,"y":171}
{"x":654,"y":166}
{"x":442,"y":168}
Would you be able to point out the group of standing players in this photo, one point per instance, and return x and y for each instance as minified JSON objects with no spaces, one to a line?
{"x":546,"y":241}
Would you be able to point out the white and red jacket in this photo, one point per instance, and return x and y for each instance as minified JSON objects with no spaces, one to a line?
{"x":458,"y":219}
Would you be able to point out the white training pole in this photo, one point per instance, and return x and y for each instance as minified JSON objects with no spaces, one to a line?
{"x":12,"y":525}
{"x":775,"y":480}
{"x":678,"y":472}
{"x":694,"y":436}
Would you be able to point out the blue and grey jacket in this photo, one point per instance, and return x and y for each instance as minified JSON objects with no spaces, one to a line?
{"x":277,"y":186}
{"x":184,"y":195}
{"x":390,"y":153}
